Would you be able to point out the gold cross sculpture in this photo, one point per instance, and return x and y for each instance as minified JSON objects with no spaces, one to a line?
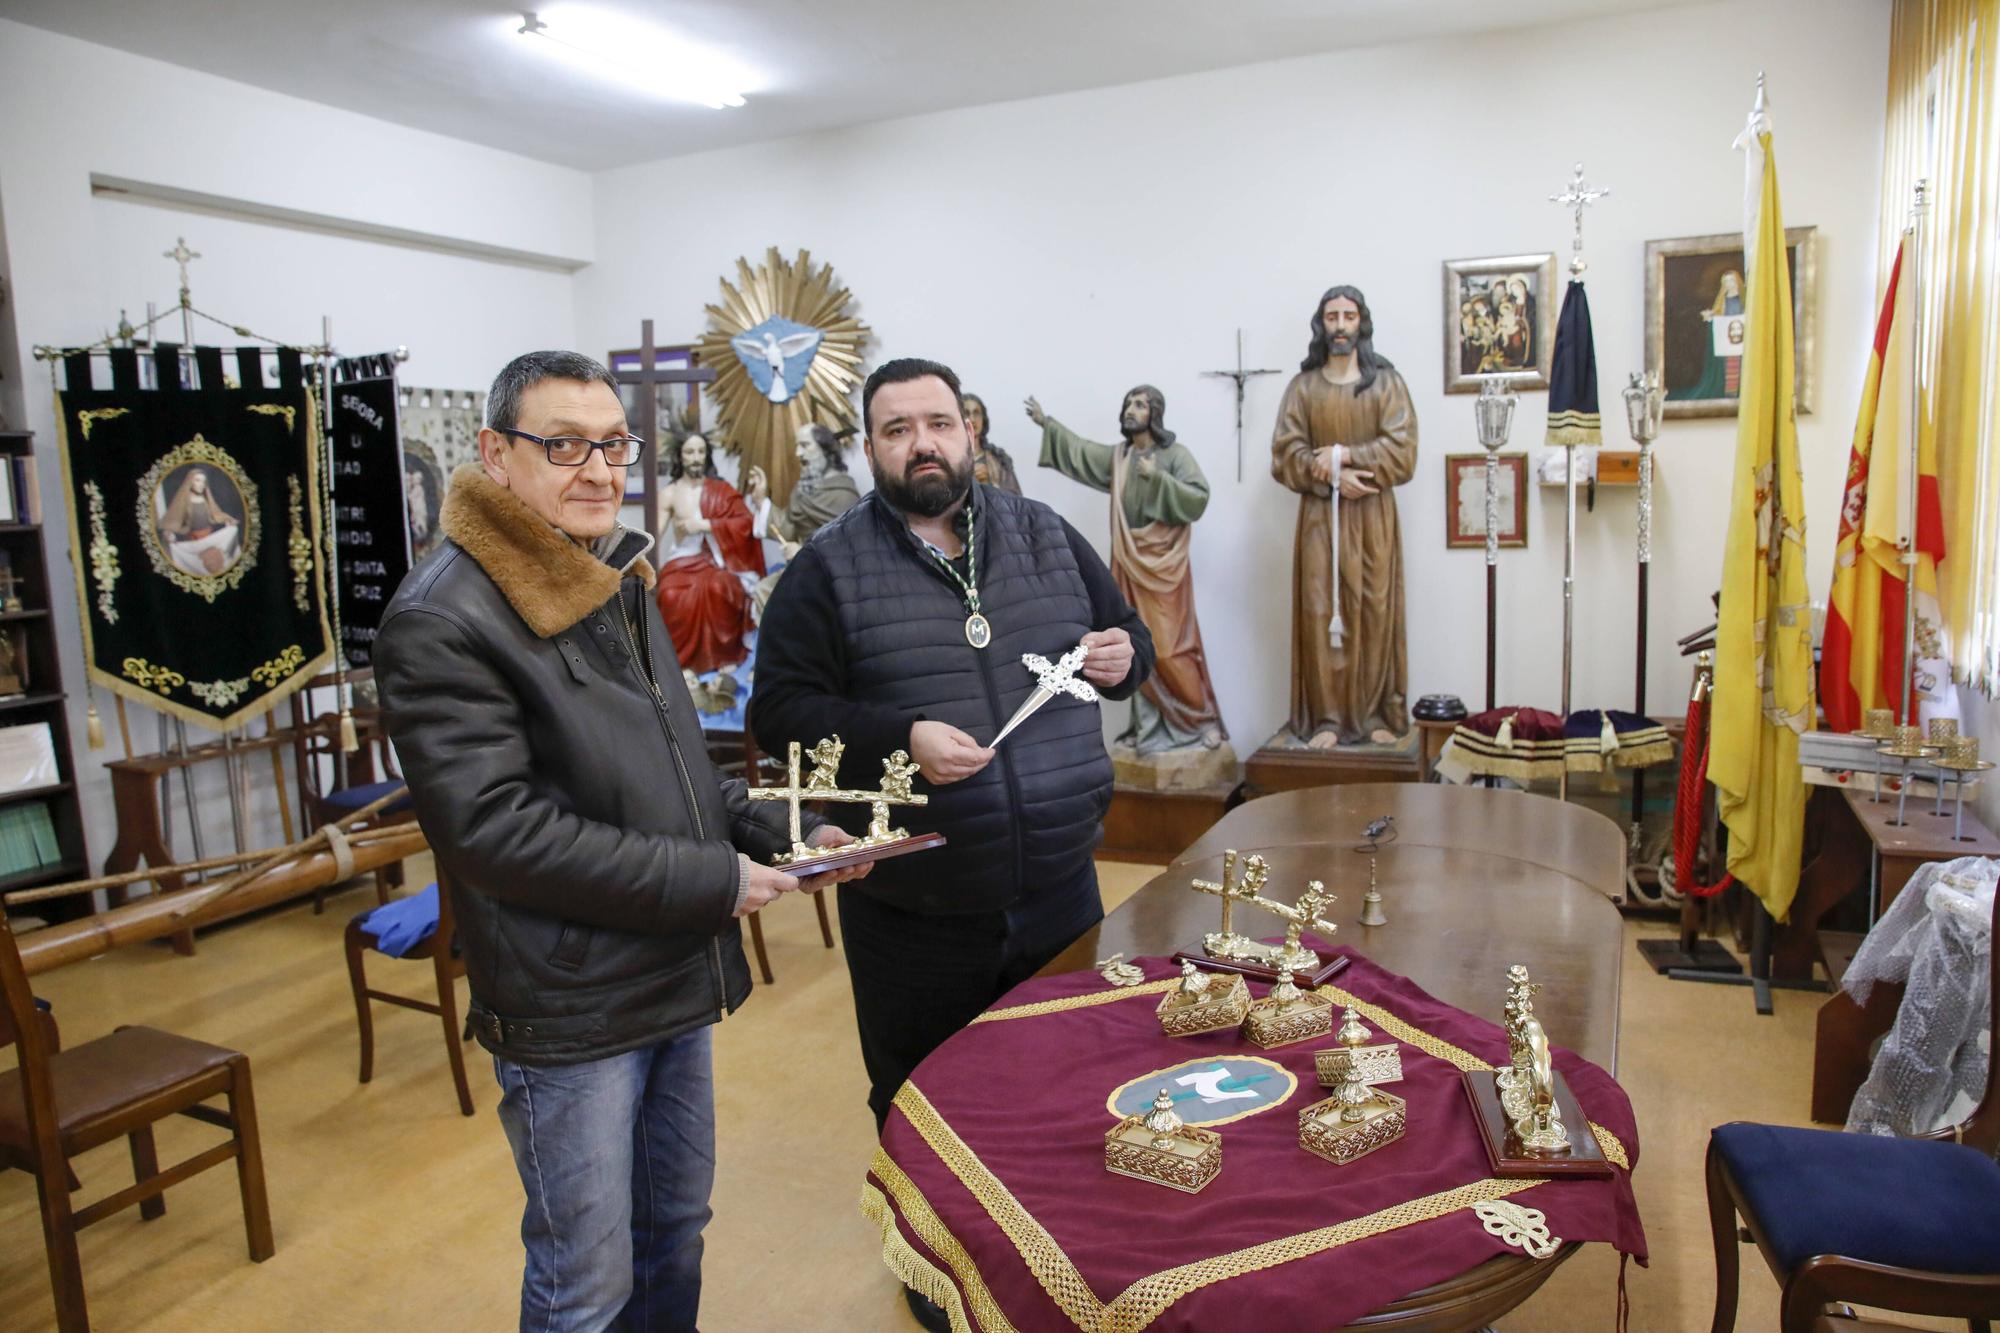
{"x":820,"y":785}
{"x":1242,"y":882}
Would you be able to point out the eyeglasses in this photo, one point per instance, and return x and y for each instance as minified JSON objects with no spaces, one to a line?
{"x":574,"y":450}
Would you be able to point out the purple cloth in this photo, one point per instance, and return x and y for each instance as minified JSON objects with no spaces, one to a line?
{"x":1027,"y":1097}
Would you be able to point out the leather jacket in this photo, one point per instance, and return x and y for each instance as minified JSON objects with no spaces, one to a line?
{"x":558,"y":769}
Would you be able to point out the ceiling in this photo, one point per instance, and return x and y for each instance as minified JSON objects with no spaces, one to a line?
{"x":457,"y":68}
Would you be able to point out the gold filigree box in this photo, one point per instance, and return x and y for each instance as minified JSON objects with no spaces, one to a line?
{"x":1178,"y":1156}
{"x":1220,"y":1006}
{"x":1374,"y":1064}
{"x":1324,"y":1133}
{"x":1287,"y":1015}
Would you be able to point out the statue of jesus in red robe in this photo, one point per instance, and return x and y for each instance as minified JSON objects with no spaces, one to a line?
{"x":713,"y":563}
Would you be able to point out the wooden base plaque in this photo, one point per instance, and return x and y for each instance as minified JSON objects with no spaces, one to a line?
{"x":1332,"y":967}
{"x":843,"y":857}
{"x":1503,"y":1150}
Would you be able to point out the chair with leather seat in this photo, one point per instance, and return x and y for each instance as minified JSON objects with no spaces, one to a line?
{"x":56,"y":1105}
{"x":1904,"y":1224}
{"x":447,"y":965}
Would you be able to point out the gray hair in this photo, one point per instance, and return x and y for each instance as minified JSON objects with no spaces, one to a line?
{"x":503,"y":401}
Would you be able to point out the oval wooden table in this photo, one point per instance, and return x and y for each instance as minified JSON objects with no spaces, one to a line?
{"x":1477,"y":880}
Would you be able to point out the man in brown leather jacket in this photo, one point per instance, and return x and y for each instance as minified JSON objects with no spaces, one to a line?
{"x":596,"y":860}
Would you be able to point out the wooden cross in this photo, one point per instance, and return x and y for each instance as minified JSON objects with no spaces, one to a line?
{"x":897,"y":770}
{"x":1576,"y":198}
{"x":647,"y":379}
{"x":10,"y":589}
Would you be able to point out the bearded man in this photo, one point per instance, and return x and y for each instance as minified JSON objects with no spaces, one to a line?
{"x":1346,"y":425}
{"x":712,"y":563}
{"x":901,"y":627}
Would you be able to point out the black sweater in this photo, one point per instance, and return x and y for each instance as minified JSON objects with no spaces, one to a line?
{"x":865,"y":635}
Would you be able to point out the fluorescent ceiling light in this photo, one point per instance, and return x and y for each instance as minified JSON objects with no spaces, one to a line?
{"x":638,"y":55}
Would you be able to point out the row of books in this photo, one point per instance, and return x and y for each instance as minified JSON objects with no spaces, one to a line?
{"x":18,"y":501}
{"x":27,"y":838}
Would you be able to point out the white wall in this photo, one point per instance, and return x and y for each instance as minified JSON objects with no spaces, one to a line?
{"x":70,"y":108}
{"x":1072,"y":246}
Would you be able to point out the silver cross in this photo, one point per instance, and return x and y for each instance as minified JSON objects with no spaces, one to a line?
{"x":180,"y":254}
{"x":1577,"y":197}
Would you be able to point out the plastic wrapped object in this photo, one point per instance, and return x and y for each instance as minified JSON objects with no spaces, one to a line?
{"x":1936,"y":938}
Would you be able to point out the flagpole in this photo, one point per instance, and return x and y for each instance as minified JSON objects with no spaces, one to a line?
{"x":1908,"y":556}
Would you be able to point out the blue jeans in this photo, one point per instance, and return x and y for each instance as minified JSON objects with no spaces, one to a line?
{"x":618,"y":1158}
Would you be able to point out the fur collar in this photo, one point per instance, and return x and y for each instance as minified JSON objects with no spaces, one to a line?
{"x":549,"y":580}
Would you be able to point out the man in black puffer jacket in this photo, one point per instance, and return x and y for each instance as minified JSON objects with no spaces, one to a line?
{"x":596,"y":861}
{"x":901,"y":625}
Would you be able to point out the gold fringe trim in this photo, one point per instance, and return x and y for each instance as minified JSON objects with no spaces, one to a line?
{"x":1145,"y":1300}
{"x":911,"y":1267}
{"x":1044,"y":1258}
{"x":1613,"y":1149}
{"x":1041,"y":1007}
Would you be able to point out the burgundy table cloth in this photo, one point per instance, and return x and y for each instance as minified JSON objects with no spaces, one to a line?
{"x":990,"y":1189}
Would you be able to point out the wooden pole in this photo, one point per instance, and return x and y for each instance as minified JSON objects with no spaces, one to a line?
{"x":278,"y":774}
{"x":319,"y":836}
{"x":180,"y":870}
{"x":155,"y":917}
{"x":124,"y":725}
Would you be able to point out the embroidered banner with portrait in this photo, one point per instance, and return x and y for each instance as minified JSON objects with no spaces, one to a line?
{"x":195,"y":529}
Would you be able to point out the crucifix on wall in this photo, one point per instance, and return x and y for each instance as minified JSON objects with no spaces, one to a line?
{"x":647,"y":378}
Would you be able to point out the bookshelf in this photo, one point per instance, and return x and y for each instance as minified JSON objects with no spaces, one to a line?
{"x":33,"y":629}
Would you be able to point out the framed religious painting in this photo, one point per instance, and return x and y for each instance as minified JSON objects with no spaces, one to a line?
{"x":1499,"y":321}
{"x":677,"y":408}
{"x":1465,"y":500}
{"x":1695,"y":319}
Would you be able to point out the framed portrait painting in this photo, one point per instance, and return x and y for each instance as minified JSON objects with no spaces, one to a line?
{"x":1695,"y":319}
{"x":1499,"y":321}
{"x":1465,"y":499}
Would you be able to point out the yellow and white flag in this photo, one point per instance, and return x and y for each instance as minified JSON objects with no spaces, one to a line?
{"x":1763,"y":698}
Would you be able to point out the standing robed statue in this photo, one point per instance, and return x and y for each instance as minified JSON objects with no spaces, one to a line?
{"x":1157,"y":492}
{"x":1346,"y":425}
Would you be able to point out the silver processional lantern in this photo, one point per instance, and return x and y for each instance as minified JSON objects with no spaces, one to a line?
{"x":1643,"y":400}
{"x":1493,"y":412}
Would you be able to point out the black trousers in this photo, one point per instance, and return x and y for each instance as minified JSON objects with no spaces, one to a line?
{"x":918,"y":979}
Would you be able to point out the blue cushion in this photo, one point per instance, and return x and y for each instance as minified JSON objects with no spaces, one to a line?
{"x":401,"y":924}
{"x":349,"y":799}
{"x":1913,"y":1203}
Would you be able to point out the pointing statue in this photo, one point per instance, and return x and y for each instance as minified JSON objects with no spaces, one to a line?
{"x":1157,"y":492}
{"x":1346,"y":425}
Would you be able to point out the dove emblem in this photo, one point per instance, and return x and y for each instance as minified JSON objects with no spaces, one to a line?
{"x":777,"y":354}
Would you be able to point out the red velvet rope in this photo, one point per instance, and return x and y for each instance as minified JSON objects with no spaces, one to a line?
{"x":1687,"y":808}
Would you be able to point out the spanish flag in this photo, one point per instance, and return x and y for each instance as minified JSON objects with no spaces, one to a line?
{"x":1861,"y":662}
{"x":1763,"y":697}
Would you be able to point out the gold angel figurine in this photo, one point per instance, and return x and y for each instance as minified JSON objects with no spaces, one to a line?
{"x":826,"y":764}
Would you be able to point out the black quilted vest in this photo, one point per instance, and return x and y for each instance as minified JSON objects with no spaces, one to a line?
{"x":1035,"y":814}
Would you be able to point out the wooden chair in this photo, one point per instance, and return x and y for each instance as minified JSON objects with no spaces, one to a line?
{"x":1911,"y":1225}
{"x":57,"y":1104}
{"x":317,"y":755}
{"x":446,"y":967}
